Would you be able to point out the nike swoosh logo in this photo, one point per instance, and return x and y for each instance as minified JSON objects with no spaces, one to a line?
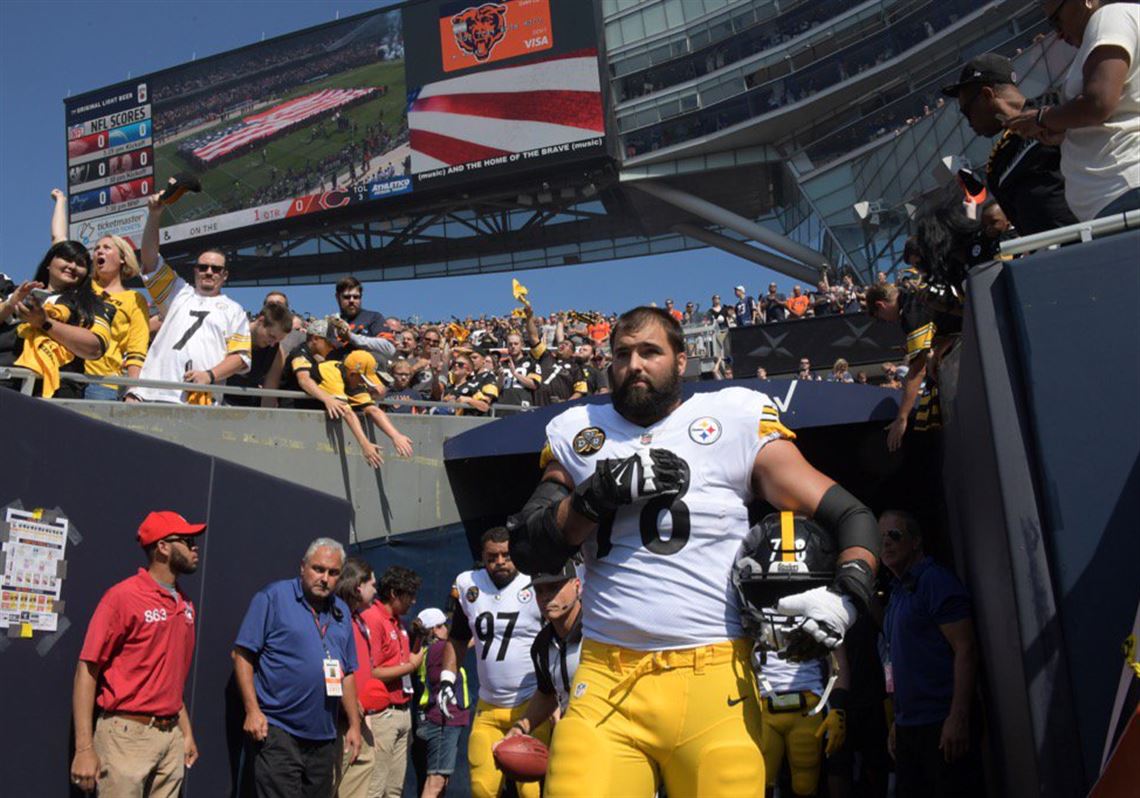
{"x":734,"y":701}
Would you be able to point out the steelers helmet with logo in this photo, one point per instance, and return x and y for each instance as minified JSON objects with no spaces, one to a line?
{"x":783,"y":554}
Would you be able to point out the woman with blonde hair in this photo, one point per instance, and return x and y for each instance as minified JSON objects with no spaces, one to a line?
{"x":112,"y":261}
{"x":840,"y":372}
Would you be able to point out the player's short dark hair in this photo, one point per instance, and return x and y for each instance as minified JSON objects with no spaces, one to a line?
{"x":277,"y":316}
{"x":397,"y":579}
{"x":633,"y":320}
{"x":346,"y":283}
{"x":496,"y":534}
{"x":354,"y":573}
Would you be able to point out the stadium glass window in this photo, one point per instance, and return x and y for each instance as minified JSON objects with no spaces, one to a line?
{"x":632,"y":28}
{"x":674,"y":14}
{"x":654,"y":18}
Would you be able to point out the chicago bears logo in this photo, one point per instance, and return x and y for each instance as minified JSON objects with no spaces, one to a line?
{"x":478,"y":30}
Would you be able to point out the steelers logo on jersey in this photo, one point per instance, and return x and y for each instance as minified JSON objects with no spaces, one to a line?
{"x":525,"y":596}
{"x":472,"y":594}
{"x":705,"y":430}
{"x":589,"y":441}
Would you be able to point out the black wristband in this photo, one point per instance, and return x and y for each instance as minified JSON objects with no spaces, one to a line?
{"x":580,"y":501}
{"x":838,"y":698}
{"x":213,"y":379}
{"x":47,"y":325}
{"x":854,"y":578}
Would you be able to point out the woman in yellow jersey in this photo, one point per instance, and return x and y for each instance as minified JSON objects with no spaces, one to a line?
{"x":112,"y":261}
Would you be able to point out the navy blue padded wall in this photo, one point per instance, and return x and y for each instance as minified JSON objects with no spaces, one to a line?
{"x":1076,"y":314}
{"x":105,"y":480}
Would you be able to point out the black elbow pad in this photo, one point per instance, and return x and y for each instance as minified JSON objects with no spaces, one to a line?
{"x":536,"y":542}
{"x":854,"y":526}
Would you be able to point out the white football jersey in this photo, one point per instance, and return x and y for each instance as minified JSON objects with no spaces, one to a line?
{"x":792,"y":677}
{"x":197,"y":333}
{"x":503,"y":624}
{"x":658,"y":574}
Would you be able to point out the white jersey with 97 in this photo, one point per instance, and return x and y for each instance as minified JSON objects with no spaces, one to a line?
{"x":658,"y":572}
{"x":197,"y":333}
{"x":504,"y":622}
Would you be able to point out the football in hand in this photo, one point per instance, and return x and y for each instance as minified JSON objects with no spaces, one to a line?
{"x":521,"y":758}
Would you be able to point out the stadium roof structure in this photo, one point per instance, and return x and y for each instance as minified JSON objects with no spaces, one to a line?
{"x":581,"y":216}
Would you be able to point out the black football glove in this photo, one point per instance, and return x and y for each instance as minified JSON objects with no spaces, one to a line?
{"x":641,"y":476}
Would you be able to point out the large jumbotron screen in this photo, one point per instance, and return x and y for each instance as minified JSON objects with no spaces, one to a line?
{"x":367,"y":109}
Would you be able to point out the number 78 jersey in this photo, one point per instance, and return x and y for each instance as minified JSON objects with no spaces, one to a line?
{"x":658,"y":572}
{"x":504,"y":622}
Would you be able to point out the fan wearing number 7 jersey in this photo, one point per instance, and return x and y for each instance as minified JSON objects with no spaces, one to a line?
{"x":496,"y":607}
{"x":655,"y":493}
{"x":204,"y":336}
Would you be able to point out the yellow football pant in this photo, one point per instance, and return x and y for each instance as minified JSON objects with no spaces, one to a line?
{"x":689,"y":717}
{"x":490,"y":725}
{"x":792,"y":734}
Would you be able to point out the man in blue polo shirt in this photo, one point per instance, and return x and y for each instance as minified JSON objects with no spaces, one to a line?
{"x":294,"y":659}
{"x":933,"y":658}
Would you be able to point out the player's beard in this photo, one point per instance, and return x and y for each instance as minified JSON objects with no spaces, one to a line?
{"x":652,"y":402}
{"x":181,"y":564}
{"x":502,"y":578}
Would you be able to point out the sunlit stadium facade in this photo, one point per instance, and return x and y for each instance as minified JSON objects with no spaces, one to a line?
{"x":843,"y":96}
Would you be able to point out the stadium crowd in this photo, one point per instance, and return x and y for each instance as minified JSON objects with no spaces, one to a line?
{"x":390,"y":683}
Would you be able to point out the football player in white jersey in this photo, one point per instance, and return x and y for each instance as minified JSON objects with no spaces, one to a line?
{"x":204,"y":336}
{"x":655,"y":493}
{"x":497,"y":607}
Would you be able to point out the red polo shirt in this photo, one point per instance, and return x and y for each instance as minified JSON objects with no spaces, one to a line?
{"x":390,"y":646}
{"x":371,"y":692}
{"x":142,"y":639}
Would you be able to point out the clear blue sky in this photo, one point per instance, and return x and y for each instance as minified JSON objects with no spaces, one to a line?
{"x":50,"y":48}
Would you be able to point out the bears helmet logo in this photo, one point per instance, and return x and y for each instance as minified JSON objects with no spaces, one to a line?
{"x":478,"y":30}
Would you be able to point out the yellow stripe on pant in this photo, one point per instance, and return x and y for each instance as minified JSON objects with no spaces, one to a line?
{"x":688,"y":717}
{"x":490,"y":725}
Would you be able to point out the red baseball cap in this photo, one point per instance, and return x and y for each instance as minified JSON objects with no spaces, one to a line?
{"x":163,"y":523}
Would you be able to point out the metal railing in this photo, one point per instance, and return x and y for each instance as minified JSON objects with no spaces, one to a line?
{"x":1081,"y":231}
{"x":27,"y":379}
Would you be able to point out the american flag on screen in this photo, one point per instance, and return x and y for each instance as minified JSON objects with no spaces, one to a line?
{"x":500,"y":111}
{"x":268,"y":123}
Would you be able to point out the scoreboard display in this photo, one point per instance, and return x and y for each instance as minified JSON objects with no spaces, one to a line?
{"x":110,"y":161}
{"x":341,"y":115}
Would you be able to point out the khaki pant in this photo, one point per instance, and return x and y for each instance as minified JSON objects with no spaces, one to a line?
{"x":138,"y":761}
{"x":391,"y":730}
{"x":353,"y":780}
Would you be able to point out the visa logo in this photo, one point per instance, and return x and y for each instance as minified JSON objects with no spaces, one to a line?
{"x":538,"y":41}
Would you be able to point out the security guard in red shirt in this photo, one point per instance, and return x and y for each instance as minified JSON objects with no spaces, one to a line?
{"x":133,"y":666}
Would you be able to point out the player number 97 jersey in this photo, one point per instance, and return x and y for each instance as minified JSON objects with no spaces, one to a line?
{"x":504,"y":623}
{"x":658,"y":573}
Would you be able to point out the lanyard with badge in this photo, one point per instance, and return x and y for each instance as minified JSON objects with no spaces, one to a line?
{"x":330,"y":666}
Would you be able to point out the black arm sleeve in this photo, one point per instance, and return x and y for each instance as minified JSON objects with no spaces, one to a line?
{"x":854,"y":526}
{"x":537,"y":545}
{"x":460,"y":629}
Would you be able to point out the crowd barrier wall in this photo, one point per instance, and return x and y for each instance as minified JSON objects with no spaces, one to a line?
{"x":104,"y":480}
{"x":304,"y":447}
